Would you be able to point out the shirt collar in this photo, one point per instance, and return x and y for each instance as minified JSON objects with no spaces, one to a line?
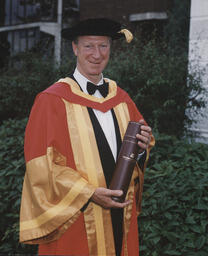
{"x":82,"y":80}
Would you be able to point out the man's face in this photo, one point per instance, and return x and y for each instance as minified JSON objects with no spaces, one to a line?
{"x":92,"y":55}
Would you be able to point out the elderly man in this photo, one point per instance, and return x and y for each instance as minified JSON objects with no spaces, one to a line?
{"x":72,"y":141}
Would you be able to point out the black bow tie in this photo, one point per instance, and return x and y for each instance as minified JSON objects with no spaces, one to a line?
{"x":103,"y":88}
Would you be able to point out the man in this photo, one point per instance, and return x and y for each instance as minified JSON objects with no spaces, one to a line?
{"x":72,"y":141}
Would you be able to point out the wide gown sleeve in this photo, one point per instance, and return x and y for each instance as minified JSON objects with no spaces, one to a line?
{"x":53,"y":190}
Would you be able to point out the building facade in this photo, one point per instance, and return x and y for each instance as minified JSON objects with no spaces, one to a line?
{"x":198,"y":53}
{"x":26,"y":23}
{"x":125,"y":11}
{"x":149,"y":15}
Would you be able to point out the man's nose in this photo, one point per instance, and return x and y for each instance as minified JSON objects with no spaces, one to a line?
{"x":96,"y":52}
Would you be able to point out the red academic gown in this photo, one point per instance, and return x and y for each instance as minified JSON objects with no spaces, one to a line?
{"x":63,"y":169}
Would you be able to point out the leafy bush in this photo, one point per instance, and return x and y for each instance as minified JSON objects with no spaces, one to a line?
{"x":176,"y":30}
{"x":20,"y":84}
{"x":157,"y":80}
{"x":12,"y":169}
{"x":175,"y":200}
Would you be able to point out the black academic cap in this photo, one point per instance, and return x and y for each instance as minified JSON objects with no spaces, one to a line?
{"x":97,"y":27}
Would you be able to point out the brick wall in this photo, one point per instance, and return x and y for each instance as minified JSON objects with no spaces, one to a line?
{"x":120,"y":9}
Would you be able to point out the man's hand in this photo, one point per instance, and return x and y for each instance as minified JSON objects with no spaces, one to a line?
{"x":102,"y":197}
{"x":145,"y":136}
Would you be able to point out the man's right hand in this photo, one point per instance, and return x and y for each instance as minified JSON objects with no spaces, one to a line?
{"x":103,"y":197}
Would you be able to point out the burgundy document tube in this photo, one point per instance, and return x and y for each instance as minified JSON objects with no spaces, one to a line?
{"x":126,"y":161}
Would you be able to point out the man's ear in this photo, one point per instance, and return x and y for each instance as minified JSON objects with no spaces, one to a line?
{"x":74,"y":47}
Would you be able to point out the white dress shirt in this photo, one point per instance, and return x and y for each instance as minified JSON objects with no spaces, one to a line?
{"x":105,"y":119}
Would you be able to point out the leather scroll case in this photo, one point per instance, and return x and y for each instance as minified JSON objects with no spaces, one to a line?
{"x":126,"y":161}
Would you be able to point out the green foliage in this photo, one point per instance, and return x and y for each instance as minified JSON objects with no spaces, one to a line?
{"x":12,"y":170}
{"x":176,"y":31}
{"x":175,"y":200}
{"x":29,"y":75}
{"x":158,"y":82}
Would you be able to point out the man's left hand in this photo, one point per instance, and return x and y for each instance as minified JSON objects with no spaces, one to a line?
{"x":145,"y":136}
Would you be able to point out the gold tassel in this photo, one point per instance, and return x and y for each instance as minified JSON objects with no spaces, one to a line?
{"x":128,"y":34}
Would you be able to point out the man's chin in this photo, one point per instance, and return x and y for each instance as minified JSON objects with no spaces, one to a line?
{"x":96,"y":70}
{"x":95,"y":73}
